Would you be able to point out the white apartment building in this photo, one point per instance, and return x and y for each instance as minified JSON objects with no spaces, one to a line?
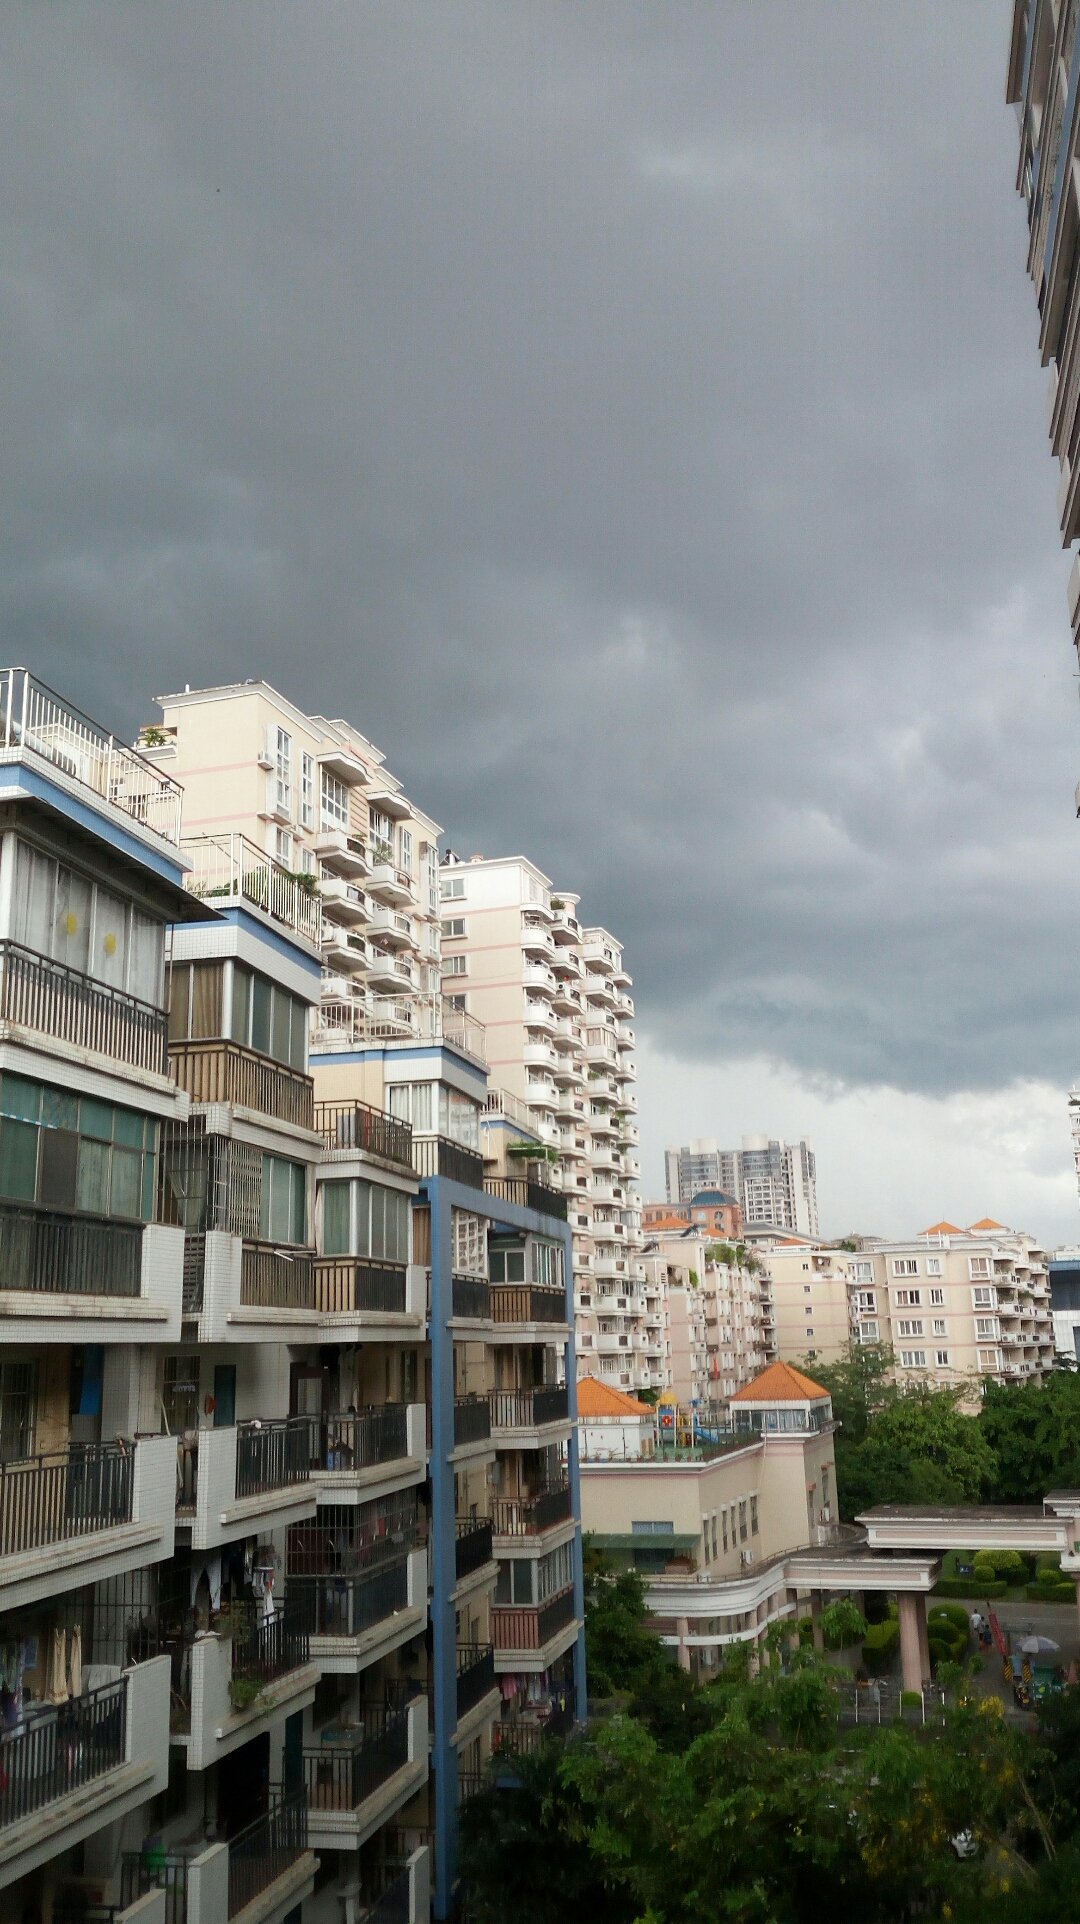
{"x":810,"y":1291}
{"x":773,"y":1182}
{"x":554,"y":997}
{"x":716,"y":1316}
{"x":957,"y":1305}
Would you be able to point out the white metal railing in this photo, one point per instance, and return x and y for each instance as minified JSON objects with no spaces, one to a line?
{"x":33,"y":717}
{"x":228,"y":868}
{"x":500,"y":1102}
{"x":363,"y":1021}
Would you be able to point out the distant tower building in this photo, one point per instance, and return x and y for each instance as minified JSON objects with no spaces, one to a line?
{"x":774,"y":1182}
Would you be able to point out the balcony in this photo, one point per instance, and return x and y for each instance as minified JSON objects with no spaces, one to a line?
{"x":360,"y":1454}
{"x":440,"y":1156}
{"x":472,"y":1420}
{"x":406,"y":1895}
{"x":33,"y":718}
{"x":516,"y":1414}
{"x":59,"y":1266}
{"x":354,"y":1780}
{"x":527,"y":1193}
{"x":393,"y":930}
{"x":343,"y":901}
{"x":355,"y":1128}
{"x":96,"y":1508}
{"x":216,"y":1071}
{"x":531,"y":1516}
{"x":67,"y":1770}
{"x":525,"y":1306}
{"x":344,"y":951}
{"x":528,"y":1632}
{"x":475,"y":1676}
{"x":340,"y":852}
{"x":268,"y":1865}
{"x":249,"y":1292}
{"x":354,"y":1618}
{"x":472,"y":1545}
{"x":228,"y":871}
{"x":51,"y":999}
{"x":276,"y":1278}
{"x":391,"y":884}
{"x":243,"y":1476}
{"x":391,"y":972}
{"x":245,"y":1676}
{"x":470,"y":1299}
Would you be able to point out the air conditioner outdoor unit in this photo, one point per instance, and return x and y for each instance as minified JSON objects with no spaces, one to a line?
{"x":746,"y":1558}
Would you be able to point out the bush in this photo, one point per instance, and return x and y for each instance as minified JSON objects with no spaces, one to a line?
{"x":911,"y":1699}
{"x":880,"y":1645}
{"x":1046,"y":1563}
{"x":805,"y":1627}
{"x":948,"y":1613}
{"x":1008,"y":1565}
{"x":1060,"y":1592}
{"x":971,"y":1587}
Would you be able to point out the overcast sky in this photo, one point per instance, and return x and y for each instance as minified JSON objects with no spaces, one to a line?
{"x":631,"y":417}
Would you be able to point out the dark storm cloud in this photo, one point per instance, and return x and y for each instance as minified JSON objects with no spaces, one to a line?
{"x":630,"y":416}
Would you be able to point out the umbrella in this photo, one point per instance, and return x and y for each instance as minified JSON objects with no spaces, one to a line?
{"x":1039,"y":1647}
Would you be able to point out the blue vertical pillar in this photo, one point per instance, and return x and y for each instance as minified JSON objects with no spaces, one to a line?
{"x":444,"y":1635}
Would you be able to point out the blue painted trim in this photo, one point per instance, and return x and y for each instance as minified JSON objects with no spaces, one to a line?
{"x":1067,"y":120}
{"x":17,"y":775}
{"x":297,"y":953}
{"x":380,"y":1052}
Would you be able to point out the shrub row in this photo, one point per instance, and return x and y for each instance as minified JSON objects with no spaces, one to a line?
{"x":1062,"y":1592}
{"x":969,"y":1587}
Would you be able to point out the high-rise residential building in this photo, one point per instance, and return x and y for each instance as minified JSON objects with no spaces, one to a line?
{"x":773,"y":1182}
{"x":289,"y":1530}
{"x":554,"y":997}
{"x":811,"y":1300}
{"x":957,"y":1305}
{"x":1043,"y":74}
{"x":716,"y":1314}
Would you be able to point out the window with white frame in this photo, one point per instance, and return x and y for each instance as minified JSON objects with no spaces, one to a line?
{"x":405,"y":848}
{"x":868,"y":1333}
{"x":454,"y":929}
{"x":912,"y":1327}
{"x":941,"y":1328}
{"x":469,"y":1243}
{"x":978,"y":1266}
{"x":283,"y":847}
{"x":933,"y":1265}
{"x":985,"y":1326}
{"x":864,"y":1272}
{"x":455,"y":965}
{"x":937,"y":1297}
{"x":905,"y":1266}
{"x":334,"y":801}
{"x":60,"y":913}
{"x":452,"y":888}
{"x":283,"y":771}
{"x":941,"y":1359}
{"x":866,"y":1299}
{"x":547,"y":1264}
{"x":908,"y":1298}
{"x":432,"y":860}
{"x":307,"y":789}
{"x":913,"y":1359}
{"x":460,"y":1003}
{"x":982,"y":1299}
{"x":989,"y":1359}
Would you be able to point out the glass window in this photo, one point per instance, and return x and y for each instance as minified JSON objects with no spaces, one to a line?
{"x":18,"y":1159}
{"x":110,"y":939}
{"x":57,"y":1168}
{"x":335,"y":802}
{"x":17,"y":1385}
{"x":146,"y":958}
{"x":283,"y":1213}
{"x":281,"y":1027}
{"x":335,"y":1218}
{"x":240,"y":1027}
{"x":307,"y":789}
{"x":71,"y":921}
{"x":94,"y":1161}
{"x":260,"y":1014}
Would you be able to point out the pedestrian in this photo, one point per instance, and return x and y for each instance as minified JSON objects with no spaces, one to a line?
{"x":977,"y":1624}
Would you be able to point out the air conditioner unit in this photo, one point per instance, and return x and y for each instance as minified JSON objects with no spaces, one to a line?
{"x":746,"y":1558}
{"x":268,"y":751}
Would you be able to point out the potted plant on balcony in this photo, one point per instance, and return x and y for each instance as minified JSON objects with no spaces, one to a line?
{"x":243,"y":1692}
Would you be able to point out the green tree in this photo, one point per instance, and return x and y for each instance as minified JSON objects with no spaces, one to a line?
{"x":1033,"y":1430}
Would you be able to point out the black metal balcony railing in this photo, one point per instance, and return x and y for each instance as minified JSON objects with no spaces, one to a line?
{"x":530,"y":1516}
{"x":472,"y":1545}
{"x":268,"y":1848}
{"x":346,"y":1606}
{"x":69,"y":1254}
{"x":471,"y":1297}
{"x":263,"y":1650}
{"x":155,"y":1870}
{"x":475,"y":1675}
{"x":346,"y":1284}
{"x":360,"y":1439}
{"x":528,"y":1194}
{"x":194,"y":1273}
{"x":440,"y":1156}
{"x":526,"y":1303}
{"x":275,"y":1278}
{"x":528,"y":1409}
{"x":355,"y":1125}
{"x":63,"y":1494}
{"x":528,"y":1627}
{"x":341,"y":1776}
{"x":57,"y":1750}
{"x":272,"y":1455}
{"x":392,"y":1905}
{"x":37,"y":993}
{"x":472,"y":1419}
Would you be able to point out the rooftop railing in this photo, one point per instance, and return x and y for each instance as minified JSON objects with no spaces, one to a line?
{"x":230,"y":871}
{"x":59,"y":1252}
{"x":356,"y":1125}
{"x":63,"y":1494}
{"x":33,"y":717}
{"x":55,"y":1000}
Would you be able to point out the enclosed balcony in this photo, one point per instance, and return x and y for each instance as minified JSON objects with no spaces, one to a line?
{"x":219,"y":1071}
{"x":69,"y":1517}
{"x":356,"y":1778}
{"x":229,"y":871}
{"x":232,"y":1480}
{"x":48,"y":998}
{"x":60,"y":1267}
{"x":69,"y":1769}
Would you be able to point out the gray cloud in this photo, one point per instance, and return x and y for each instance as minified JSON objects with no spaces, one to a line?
{"x":631,"y":417}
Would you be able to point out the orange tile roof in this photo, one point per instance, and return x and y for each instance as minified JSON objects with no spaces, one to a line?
{"x":942,"y":1229}
{"x":988,"y":1223}
{"x":780,"y":1383}
{"x":599,"y":1399}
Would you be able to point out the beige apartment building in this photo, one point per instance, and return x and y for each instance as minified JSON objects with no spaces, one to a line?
{"x":810,"y":1297}
{"x":261,"y":777}
{"x":554,"y":998}
{"x":716,"y":1316}
{"x":957,"y":1305}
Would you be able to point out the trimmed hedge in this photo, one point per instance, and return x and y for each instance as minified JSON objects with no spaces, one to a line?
{"x":880,"y":1645}
{"x":949,"y":1613}
{"x":1051,"y":1592}
{"x":969,"y":1587}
